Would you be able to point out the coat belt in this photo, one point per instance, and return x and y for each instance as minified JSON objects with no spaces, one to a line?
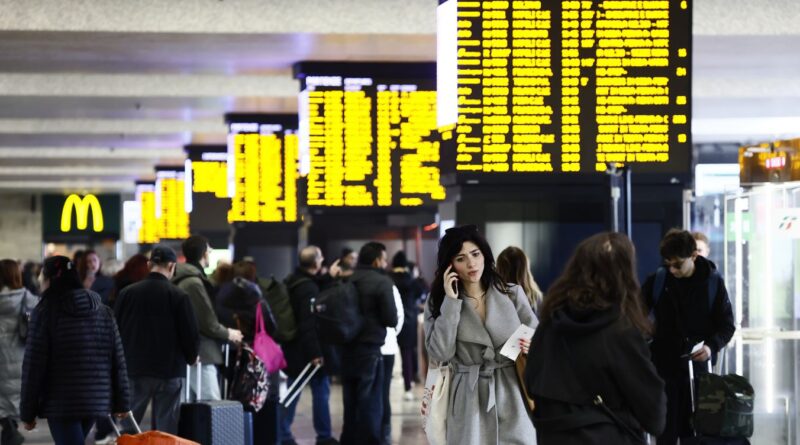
{"x":486,"y":371}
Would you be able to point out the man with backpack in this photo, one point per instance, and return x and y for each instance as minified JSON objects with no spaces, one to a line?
{"x":689,"y":304}
{"x":306,"y":346}
{"x":362,"y":362}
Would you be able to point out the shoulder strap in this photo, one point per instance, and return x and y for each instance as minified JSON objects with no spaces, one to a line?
{"x":298,"y":282}
{"x":586,"y":382}
{"x":713,"y":287}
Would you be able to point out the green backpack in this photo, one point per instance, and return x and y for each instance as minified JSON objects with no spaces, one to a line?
{"x":277,"y":295}
{"x":724,"y":406}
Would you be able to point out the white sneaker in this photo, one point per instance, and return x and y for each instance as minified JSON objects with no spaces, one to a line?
{"x":409,"y":396}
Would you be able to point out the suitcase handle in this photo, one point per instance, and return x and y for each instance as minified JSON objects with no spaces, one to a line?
{"x":116,"y":428}
{"x":199,"y":381}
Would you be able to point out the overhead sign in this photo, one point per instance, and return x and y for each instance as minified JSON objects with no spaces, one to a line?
{"x":148,"y":224}
{"x":546,"y":87}
{"x":78,"y":217}
{"x":171,"y":215}
{"x":367,"y":134}
{"x":263,"y":167}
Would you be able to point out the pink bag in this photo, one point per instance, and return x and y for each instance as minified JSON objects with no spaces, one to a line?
{"x":265,"y":347}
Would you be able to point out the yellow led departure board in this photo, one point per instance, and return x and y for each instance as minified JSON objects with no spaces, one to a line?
{"x":171,"y":216}
{"x":264,"y":154}
{"x":148,"y":225}
{"x":566,"y":86}
{"x":210,"y":175}
{"x":366,"y":131}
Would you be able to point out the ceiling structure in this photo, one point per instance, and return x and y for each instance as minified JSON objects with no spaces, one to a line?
{"x":93,"y":94}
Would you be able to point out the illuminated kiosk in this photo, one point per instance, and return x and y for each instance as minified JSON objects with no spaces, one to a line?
{"x":263,"y":186}
{"x":371,"y":155}
{"x":762,"y":274}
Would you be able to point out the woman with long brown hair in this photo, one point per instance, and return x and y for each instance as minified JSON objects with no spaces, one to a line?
{"x":591,"y":376}
{"x":514,"y":267}
{"x":91,"y":274}
{"x":470,"y":315}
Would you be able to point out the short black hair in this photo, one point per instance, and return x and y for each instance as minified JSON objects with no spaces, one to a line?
{"x":400,"y":259}
{"x":370,"y":252}
{"x":677,"y":243}
{"x":194,"y":248}
{"x":346,"y":251}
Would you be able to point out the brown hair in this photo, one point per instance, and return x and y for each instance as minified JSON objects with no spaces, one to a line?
{"x":514,"y":267}
{"x":700,"y":236}
{"x":223,"y":274}
{"x":600,"y":274}
{"x":83,"y":266}
{"x":246,"y":270}
{"x":10,"y":274}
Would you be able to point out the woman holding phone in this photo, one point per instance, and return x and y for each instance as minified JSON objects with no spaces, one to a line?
{"x":470,"y":315}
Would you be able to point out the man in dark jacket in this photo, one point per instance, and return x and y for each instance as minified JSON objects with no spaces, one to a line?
{"x":685,"y":315}
{"x":160,"y":337}
{"x":304,"y":286}
{"x":362,"y":362}
{"x":191,"y":278}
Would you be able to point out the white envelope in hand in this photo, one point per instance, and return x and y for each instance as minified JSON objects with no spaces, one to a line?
{"x":511,"y":348}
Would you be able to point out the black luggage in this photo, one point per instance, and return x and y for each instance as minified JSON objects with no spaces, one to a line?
{"x":722,"y":408}
{"x":338,"y":313}
{"x":211,"y":422}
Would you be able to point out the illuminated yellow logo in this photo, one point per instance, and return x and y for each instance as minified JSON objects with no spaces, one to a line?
{"x":82,"y":207}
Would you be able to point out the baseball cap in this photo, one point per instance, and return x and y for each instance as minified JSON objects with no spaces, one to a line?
{"x":163,"y":254}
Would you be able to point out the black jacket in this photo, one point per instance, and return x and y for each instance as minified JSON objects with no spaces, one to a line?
{"x":675,"y":334}
{"x":237,"y":300}
{"x":74,"y":366}
{"x":103,"y":286}
{"x":158,"y":328}
{"x":410,"y":293}
{"x":306,"y":346}
{"x":376,"y":301}
{"x":616,"y":358}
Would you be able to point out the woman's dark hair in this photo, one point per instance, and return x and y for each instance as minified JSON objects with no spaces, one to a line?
{"x":449,"y":246}
{"x":600,"y":274}
{"x":10,"y":274}
{"x":62,"y":275}
{"x":83,"y":264}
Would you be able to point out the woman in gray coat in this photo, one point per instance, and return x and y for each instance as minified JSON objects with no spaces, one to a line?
{"x":470,"y":315}
{"x":12,"y":347}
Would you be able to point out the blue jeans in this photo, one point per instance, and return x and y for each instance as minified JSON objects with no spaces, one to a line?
{"x":320,"y":392}
{"x":362,"y":394}
{"x":69,"y":431}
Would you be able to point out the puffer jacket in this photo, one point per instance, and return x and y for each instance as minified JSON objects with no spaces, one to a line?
{"x":12,"y":348}
{"x":74,"y":365}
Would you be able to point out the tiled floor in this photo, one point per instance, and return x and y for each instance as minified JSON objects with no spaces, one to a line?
{"x":406,"y":422}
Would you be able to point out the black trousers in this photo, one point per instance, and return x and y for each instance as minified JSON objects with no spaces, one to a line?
{"x":679,"y":404}
{"x":386,"y":421}
{"x":362,"y":394}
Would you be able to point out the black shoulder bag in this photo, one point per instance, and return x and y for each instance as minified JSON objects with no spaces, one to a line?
{"x":596,"y":399}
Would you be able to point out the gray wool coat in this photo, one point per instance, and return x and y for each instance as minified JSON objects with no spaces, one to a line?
{"x":485,"y":402}
{"x":12,"y":349}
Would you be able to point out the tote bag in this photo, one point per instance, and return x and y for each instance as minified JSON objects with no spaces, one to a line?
{"x":436,"y":399}
{"x":265,"y":347}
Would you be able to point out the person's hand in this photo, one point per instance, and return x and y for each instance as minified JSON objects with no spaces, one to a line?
{"x":335,"y":270}
{"x":524,"y":345}
{"x":121,"y":415}
{"x":450,"y":283}
{"x":318,"y":361}
{"x":235,"y":335}
{"x":30,"y":426}
{"x":702,"y":355}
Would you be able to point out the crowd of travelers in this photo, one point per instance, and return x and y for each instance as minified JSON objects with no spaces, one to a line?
{"x":78,"y":343}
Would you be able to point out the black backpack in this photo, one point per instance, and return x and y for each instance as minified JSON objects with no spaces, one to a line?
{"x":338,"y":313}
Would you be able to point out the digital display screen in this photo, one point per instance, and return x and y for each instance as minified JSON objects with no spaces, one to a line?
{"x":172,"y":219}
{"x":366,"y":134}
{"x":263,"y":167}
{"x":148,"y":224}
{"x":567,"y":86}
{"x":207,"y":169}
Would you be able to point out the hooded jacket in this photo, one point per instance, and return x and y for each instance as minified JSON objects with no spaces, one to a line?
{"x":683,"y":317}
{"x":615,"y":355}
{"x":12,"y":348}
{"x":74,"y":365}
{"x":191,"y":279}
{"x":376,"y":301}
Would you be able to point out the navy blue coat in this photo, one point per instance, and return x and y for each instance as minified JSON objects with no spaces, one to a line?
{"x":74,"y":365}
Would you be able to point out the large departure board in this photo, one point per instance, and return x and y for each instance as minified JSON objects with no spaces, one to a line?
{"x":172,"y":220}
{"x":263,"y":167}
{"x":207,"y":169}
{"x":365,"y":134}
{"x":148,"y":224}
{"x":557,"y":86}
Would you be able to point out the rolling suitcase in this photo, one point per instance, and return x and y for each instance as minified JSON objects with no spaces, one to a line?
{"x":211,"y":422}
{"x":702,"y":409}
